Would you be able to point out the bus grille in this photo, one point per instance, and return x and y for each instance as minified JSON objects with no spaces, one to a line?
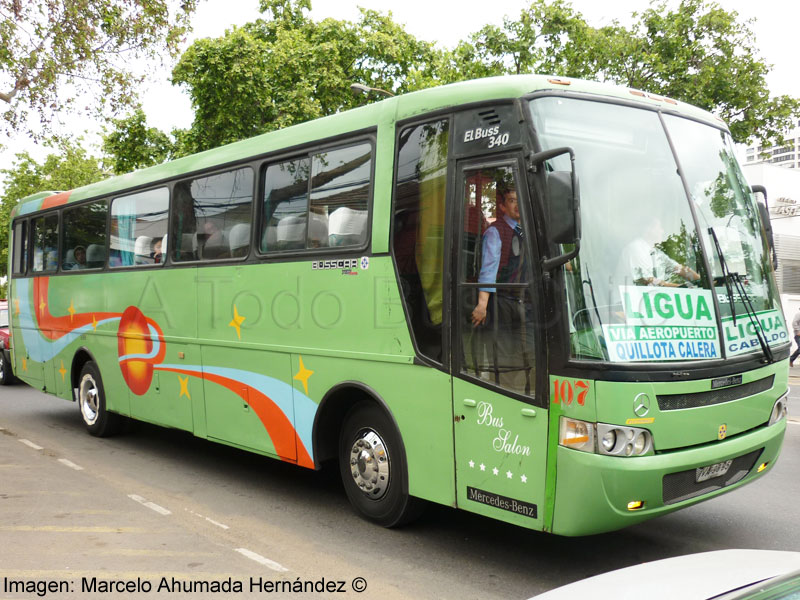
{"x":679,"y":401}
{"x":682,"y":486}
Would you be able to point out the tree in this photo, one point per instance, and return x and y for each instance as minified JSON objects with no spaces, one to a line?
{"x":133,"y":145}
{"x":52,"y":51}
{"x":549,"y":37}
{"x":69,"y":168}
{"x":287,"y":69}
{"x":698,"y":53}
{"x":703,"y":55}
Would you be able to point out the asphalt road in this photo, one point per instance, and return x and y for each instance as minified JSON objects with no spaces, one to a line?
{"x":162,"y":508}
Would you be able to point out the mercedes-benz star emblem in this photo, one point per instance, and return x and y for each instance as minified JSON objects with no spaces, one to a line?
{"x":641,"y":405}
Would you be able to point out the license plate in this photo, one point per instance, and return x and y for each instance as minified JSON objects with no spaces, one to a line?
{"x":711,"y":471}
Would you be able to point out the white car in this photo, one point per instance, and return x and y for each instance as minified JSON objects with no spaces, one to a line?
{"x":722,"y":574}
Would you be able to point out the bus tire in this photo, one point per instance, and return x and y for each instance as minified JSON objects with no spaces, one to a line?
{"x":373,"y":467}
{"x":92,"y":403}
{"x":6,"y":374}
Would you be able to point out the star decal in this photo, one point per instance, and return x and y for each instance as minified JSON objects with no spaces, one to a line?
{"x":42,"y":306}
{"x":237,"y":322}
{"x":509,"y":474}
{"x":472,"y":464}
{"x":303,"y":374}
{"x":63,"y":371}
{"x":483,"y":467}
{"x":184,"y":381}
{"x":523,"y":478}
{"x":94,"y":323}
{"x":24,"y":364}
{"x":71,"y":310}
{"x":495,"y":471}
{"x":16,"y":306}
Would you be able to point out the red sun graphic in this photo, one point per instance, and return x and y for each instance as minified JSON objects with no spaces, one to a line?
{"x":137,"y":351}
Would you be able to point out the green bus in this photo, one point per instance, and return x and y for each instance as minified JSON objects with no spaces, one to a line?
{"x":542,"y":300}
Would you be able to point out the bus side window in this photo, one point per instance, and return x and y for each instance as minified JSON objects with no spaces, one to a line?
{"x":85,"y":236}
{"x":207,"y":210}
{"x":340,"y":187}
{"x":20,"y":248}
{"x":283,"y":218}
{"x":138,"y":228}
{"x":45,"y":243}
{"x":418,"y":229}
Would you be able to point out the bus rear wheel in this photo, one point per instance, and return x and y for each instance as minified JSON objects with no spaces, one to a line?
{"x":373,"y":467}
{"x":92,"y":402}
{"x":6,"y":374}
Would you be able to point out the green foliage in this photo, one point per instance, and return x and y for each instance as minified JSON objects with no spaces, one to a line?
{"x":274,"y":73}
{"x":547,"y":38}
{"x":69,"y":168}
{"x":133,"y":145}
{"x":703,"y":55}
{"x":698,"y":53}
{"x":52,"y":51}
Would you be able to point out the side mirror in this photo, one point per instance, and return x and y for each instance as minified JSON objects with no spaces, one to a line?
{"x":561,"y":204}
{"x":763,"y":213}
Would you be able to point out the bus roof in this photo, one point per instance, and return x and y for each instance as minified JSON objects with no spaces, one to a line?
{"x":396,"y":108}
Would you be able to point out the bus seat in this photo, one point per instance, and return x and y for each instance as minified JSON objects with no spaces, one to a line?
{"x":188,"y":249}
{"x":141,"y":250}
{"x":69,"y":260}
{"x":95,"y":256}
{"x":239,"y":239}
{"x":291,"y":232}
{"x":269,"y":239}
{"x":347,"y":227}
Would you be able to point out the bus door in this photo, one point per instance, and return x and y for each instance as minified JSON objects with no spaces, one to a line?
{"x":500,"y":428}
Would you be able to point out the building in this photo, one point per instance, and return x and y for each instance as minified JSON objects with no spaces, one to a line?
{"x":787,"y":155}
{"x":783,"y":189}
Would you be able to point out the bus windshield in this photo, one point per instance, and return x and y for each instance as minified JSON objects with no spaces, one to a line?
{"x":639,"y":290}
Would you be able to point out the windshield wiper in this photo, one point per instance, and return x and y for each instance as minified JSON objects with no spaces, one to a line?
{"x":729,"y":277}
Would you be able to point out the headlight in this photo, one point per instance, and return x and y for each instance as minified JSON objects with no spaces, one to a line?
{"x":629,"y":441}
{"x":780,"y":409}
{"x":613,"y":440}
{"x":576,"y":434}
{"x":609,"y":440}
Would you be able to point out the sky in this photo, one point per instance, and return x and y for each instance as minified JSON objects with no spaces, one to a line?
{"x":446,"y":22}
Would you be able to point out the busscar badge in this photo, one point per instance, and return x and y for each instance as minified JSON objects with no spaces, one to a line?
{"x":722,"y":432}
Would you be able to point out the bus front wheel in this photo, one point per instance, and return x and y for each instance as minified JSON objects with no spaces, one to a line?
{"x":92,"y":401}
{"x":373,"y":467}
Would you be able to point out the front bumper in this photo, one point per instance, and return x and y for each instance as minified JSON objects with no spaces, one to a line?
{"x":593,"y":491}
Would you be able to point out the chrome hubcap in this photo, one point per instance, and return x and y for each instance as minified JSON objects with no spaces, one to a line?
{"x":89,"y":399}
{"x":369,"y":464}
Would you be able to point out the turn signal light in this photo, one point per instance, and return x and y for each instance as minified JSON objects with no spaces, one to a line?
{"x":635,"y":504}
{"x":762,"y":466}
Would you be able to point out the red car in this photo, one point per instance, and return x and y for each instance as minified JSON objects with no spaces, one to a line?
{"x":6,"y":374}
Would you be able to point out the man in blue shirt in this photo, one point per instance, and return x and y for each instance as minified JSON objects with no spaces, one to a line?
{"x":508,"y":335}
{"x":501,"y":251}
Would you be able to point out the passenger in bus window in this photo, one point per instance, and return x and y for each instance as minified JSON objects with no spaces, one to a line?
{"x":505,"y":313}
{"x":80,"y":258}
{"x":644,"y":263}
{"x":501,"y":250}
{"x":157,"y":255}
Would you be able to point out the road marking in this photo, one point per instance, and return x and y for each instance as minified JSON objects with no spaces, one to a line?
{"x":60,"y":529}
{"x":143,"y":552}
{"x":209,"y":519}
{"x":151,"y":505}
{"x":31,"y":444}
{"x":70,"y":464}
{"x":270,"y":564}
